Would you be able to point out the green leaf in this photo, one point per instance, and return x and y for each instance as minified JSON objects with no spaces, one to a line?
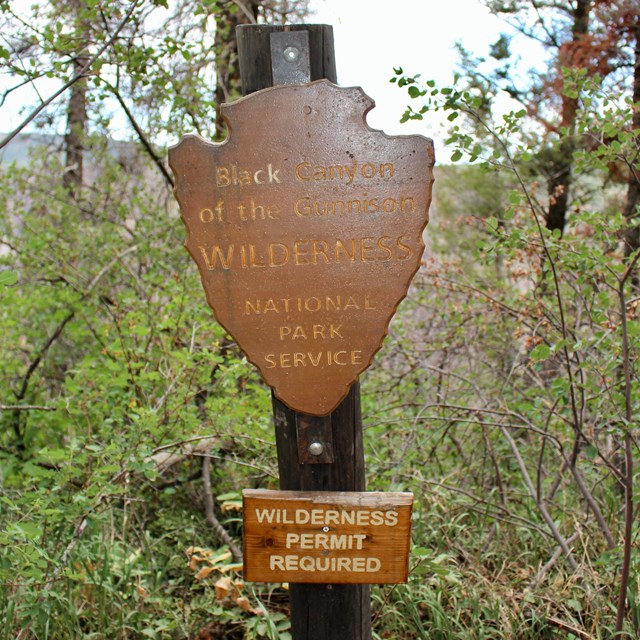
{"x":540,"y":352}
{"x":8,"y":278}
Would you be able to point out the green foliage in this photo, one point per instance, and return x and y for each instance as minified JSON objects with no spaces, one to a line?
{"x":110,"y":359}
{"x":507,"y":409}
{"x":504,"y":398}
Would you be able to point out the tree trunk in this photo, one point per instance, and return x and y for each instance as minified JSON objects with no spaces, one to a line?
{"x":77,"y":107}
{"x":559,"y":181}
{"x":229,"y":15}
{"x":631,"y":211}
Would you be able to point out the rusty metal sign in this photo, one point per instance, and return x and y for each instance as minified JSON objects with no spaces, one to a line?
{"x":306,"y":226}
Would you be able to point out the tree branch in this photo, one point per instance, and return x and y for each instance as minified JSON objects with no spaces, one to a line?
{"x":141,"y":135}
{"x":219,"y":530}
{"x":80,"y":74}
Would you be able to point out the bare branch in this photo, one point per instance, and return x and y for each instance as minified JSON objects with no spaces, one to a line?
{"x":219,"y":530}
{"x":80,"y":74}
{"x":25,"y":407}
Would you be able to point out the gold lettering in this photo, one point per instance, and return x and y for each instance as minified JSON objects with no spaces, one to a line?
{"x":315,"y":362}
{"x":206,"y":215}
{"x":389,"y":205}
{"x":364,"y":249}
{"x":351,"y":172}
{"x":285,"y":332}
{"x":252,"y":257}
{"x":285,"y":360}
{"x":250,"y":307}
{"x":320,"y":249}
{"x":317,"y":304}
{"x":351,"y":303}
{"x":407,"y":204}
{"x":273,"y":259}
{"x":337,"y":171}
{"x":335,"y":358}
{"x":335,"y":331}
{"x":387,"y":167}
{"x":383,"y":244}
{"x":300,"y":253}
{"x":405,"y":247}
{"x":308,"y":172}
{"x":217,"y":254}
{"x":302,"y":207}
{"x":301,"y":171}
{"x":340,"y":245}
{"x":368,"y":170}
{"x":222,"y":177}
{"x":333,"y":304}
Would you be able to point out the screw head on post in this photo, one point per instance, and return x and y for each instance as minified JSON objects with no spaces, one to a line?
{"x":316,"y":448}
{"x":291,"y":54}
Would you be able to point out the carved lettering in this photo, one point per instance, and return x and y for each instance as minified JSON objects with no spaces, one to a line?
{"x":254,"y":211}
{"x":293,"y":562}
{"x":316,"y":332}
{"x":290,"y":360}
{"x":306,"y":206}
{"x":308,"y":252}
{"x":347,"y":173}
{"x":235,"y":176}
{"x":313,"y":304}
{"x":320,"y":517}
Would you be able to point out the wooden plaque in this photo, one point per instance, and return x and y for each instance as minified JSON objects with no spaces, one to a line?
{"x":306,"y":226}
{"x":329,"y":538}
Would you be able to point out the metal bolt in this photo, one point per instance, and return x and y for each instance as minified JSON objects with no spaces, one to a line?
{"x":291,"y":54}
{"x":316,"y":448}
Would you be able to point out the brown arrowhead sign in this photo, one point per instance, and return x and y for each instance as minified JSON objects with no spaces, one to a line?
{"x":306,"y":226}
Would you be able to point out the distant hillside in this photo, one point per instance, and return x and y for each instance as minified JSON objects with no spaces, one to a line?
{"x":18,"y":149}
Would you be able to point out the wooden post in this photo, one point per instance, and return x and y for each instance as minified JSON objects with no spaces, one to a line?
{"x":318,"y":611}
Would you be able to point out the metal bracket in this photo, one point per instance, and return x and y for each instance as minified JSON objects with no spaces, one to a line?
{"x":315,"y":439}
{"x":290,"y":57}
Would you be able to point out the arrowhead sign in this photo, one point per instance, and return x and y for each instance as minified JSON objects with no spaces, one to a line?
{"x":306,"y":226}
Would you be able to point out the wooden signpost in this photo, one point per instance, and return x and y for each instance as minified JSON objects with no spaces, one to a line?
{"x":306,"y":226}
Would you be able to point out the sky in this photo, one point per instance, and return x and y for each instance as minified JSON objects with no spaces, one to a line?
{"x":417,"y":35}
{"x":371,"y":38}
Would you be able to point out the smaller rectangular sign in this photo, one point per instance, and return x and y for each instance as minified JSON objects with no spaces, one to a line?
{"x":328,"y":538}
